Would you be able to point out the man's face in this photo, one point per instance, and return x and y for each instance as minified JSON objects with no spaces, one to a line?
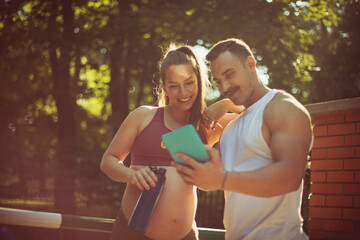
{"x":233,"y":77}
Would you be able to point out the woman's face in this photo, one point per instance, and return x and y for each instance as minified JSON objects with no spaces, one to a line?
{"x":181,"y":86}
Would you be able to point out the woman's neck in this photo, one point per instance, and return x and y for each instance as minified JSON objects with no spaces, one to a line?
{"x":176,"y":118}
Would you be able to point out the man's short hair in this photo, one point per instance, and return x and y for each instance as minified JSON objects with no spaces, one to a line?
{"x":236,"y":46}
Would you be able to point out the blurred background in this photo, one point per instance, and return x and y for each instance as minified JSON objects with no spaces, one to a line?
{"x":71,"y":71}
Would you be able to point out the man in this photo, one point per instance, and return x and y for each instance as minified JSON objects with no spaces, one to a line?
{"x":263,"y":152}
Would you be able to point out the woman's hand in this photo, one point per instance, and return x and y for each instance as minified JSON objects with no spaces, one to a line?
{"x":215,"y":111}
{"x":143,"y":178}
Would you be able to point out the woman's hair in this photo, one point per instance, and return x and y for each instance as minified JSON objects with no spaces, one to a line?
{"x":178,"y":55}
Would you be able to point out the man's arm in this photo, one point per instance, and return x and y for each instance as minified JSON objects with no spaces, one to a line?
{"x":290,"y":136}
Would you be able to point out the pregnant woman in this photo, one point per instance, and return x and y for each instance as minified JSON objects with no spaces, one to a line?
{"x":181,"y":93}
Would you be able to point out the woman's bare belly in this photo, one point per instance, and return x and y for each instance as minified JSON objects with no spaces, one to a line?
{"x":175,"y":211}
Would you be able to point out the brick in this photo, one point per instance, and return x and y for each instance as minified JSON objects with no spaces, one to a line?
{"x":339,"y":226}
{"x":353,"y":116}
{"x":358,"y":128}
{"x":316,"y":224}
{"x":352,"y":140}
{"x":357,"y":176}
{"x":357,"y":226}
{"x":339,"y":201}
{"x":351,"y":213}
{"x":331,"y":213}
{"x":357,"y":201}
{"x":341,"y":129}
{"x":317,"y":165}
{"x":358,"y":152}
{"x":352,"y":189}
{"x":341,"y":152}
{"x":319,"y":153}
{"x":320,"y":131}
{"x":352,"y":164}
{"x":317,"y":235}
{"x":317,"y":177}
{"x":348,"y":236}
{"x":317,"y":200}
{"x":326,"y":188}
{"x":323,"y":142}
{"x":328,"y":118}
{"x":340,"y":176}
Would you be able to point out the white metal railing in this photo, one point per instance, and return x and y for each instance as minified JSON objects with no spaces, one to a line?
{"x":28,"y":218}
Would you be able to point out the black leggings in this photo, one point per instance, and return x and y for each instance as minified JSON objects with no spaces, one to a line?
{"x":121,"y":231}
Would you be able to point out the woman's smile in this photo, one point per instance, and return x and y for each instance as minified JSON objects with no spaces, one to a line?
{"x":185,"y":100}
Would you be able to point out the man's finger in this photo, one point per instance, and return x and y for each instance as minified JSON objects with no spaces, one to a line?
{"x":214,"y":153}
{"x":192,"y":162}
{"x":182,"y":169}
{"x":188,"y":179}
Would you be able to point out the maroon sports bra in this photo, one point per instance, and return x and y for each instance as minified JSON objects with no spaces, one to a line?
{"x":147,"y":149}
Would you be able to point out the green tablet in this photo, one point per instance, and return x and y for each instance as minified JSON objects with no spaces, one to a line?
{"x":185,"y":140}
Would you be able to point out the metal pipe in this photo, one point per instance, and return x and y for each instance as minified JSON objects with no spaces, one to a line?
{"x":28,"y":218}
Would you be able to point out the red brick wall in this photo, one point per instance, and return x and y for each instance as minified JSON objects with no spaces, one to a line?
{"x":334,"y":205}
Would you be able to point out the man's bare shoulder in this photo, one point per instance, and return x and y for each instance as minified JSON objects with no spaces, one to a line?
{"x":285,"y":107}
{"x":284,"y":102}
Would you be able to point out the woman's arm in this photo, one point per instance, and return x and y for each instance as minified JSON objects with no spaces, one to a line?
{"x":112,"y":160}
{"x":216,"y":117}
{"x":216,"y":111}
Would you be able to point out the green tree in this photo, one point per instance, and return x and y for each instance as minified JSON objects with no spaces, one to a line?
{"x":72,"y":70}
{"x":336,"y":51}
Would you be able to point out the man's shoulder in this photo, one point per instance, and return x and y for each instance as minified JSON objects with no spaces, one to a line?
{"x":284,"y":106}
{"x":283,"y":102}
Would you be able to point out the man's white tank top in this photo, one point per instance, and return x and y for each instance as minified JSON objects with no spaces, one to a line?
{"x":243,"y":148}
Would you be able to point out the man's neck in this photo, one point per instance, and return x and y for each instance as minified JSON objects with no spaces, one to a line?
{"x":258,"y":93}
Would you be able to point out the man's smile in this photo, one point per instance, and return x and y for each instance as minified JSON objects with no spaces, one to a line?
{"x":229,"y":93}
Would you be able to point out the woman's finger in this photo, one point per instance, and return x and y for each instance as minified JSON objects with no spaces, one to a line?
{"x":141,"y":179}
{"x":152,"y":174}
{"x":213,"y":125}
{"x":150,"y":177}
{"x":137,"y":182}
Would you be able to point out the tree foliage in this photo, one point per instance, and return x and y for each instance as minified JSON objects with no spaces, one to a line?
{"x":72,"y":70}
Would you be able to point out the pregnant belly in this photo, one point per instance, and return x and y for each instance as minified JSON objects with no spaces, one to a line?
{"x":175,"y":211}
